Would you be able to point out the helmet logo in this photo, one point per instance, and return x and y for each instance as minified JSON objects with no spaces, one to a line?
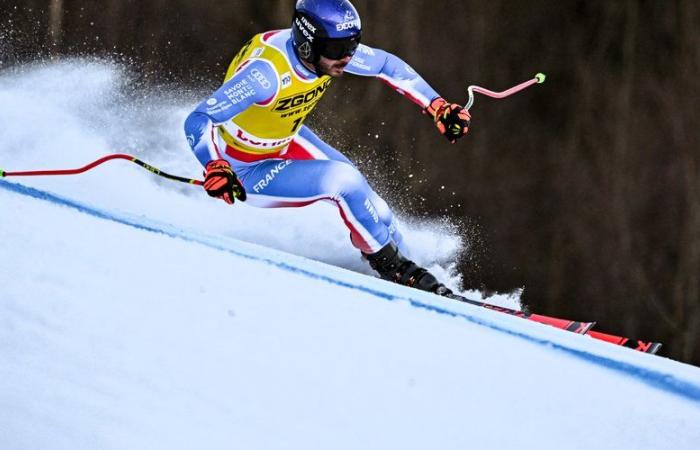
{"x":308,"y":25}
{"x":350,"y":22}
{"x":346,"y":25}
{"x":305,"y":50}
{"x":306,"y":28}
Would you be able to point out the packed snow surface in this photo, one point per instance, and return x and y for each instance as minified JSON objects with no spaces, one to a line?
{"x":138,"y":313}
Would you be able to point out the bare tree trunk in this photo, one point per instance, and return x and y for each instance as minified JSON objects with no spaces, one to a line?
{"x":114,"y":10}
{"x":55,"y":26}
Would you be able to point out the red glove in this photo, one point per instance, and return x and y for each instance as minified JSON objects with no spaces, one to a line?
{"x":451,"y":119}
{"x":221,"y":182}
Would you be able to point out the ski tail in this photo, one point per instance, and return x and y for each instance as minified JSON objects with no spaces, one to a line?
{"x":635,"y":344}
{"x":570,"y":325}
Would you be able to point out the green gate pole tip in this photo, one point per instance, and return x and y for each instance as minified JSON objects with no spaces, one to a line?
{"x":2,"y":173}
{"x":540,"y":78}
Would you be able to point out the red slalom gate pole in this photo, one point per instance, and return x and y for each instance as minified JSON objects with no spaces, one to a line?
{"x":92,"y":165}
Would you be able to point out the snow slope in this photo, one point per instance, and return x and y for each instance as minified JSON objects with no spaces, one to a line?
{"x":133,"y":315}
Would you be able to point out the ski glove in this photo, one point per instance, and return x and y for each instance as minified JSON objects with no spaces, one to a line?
{"x":451,"y":119}
{"x":221,"y":182}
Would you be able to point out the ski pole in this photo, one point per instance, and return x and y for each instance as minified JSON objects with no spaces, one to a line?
{"x":96,"y":163}
{"x":539,"y":79}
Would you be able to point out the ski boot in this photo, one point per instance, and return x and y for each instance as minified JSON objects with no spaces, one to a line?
{"x":393,"y":266}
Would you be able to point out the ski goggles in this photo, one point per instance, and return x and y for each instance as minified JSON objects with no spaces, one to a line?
{"x":338,"y":48}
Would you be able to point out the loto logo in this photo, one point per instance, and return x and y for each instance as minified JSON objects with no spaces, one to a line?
{"x":260,"y":142}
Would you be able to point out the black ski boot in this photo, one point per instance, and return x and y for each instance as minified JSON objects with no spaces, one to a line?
{"x":393,"y":266}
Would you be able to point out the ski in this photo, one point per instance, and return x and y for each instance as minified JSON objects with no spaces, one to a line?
{"x":635,"y":344}
{"x":564,"y":324}
{"x":571,"y":325}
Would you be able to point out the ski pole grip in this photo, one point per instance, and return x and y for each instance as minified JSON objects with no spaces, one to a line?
{"x":2,"y":173}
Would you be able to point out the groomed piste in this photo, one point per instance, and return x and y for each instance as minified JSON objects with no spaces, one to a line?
{"x":136,"y":313}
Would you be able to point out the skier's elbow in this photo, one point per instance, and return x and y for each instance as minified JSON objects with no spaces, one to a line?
{"x":195,"y":126}
{"x":198,"y":128}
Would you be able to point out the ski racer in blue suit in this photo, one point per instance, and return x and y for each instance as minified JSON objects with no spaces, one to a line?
{"x":250,"y":137}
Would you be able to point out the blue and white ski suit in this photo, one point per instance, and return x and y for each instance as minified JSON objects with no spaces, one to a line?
{"x":257,"y":128}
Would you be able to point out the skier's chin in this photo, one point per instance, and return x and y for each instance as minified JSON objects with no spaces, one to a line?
{"x":338,"y":73}
{"x":336,"y":70}
{"x":333,"y":67}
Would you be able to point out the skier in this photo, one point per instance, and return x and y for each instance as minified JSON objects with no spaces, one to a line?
{"x":251,"y":138}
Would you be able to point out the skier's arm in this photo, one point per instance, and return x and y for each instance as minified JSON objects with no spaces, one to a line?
{"x":255,"y":83}
{"x":451,"y":119}
{"x":374,"y":62}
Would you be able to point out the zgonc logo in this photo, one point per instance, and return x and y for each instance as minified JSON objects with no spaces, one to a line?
{"x":298,"y":100}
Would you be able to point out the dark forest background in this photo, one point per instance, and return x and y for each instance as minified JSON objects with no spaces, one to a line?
{"x":585,"y":190}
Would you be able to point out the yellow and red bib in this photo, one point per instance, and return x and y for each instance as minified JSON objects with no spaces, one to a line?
{"x":265,"y":129}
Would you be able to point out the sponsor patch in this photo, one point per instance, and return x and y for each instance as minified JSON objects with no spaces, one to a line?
{"x":357,"y":62}
{"x":362,"y":48}
{"x":304,"y":98}
{"x":286,"y":79}
{"x":219,"y":107}
{"x":240,"y":91}
{"x":260,"y":78}
{"x":255,"y":142}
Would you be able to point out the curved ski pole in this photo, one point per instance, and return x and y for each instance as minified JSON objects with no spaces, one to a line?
{"x":96,"y":163}
{"x":539,"y":79}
